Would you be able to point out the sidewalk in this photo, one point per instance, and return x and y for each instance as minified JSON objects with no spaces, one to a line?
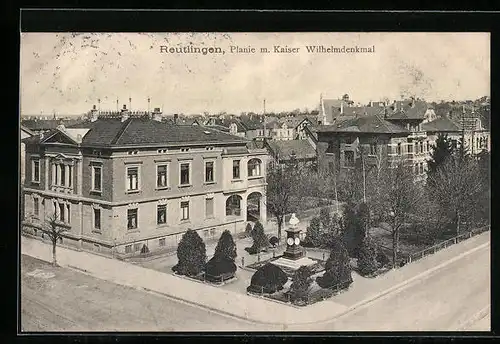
{"x":240,"y":305}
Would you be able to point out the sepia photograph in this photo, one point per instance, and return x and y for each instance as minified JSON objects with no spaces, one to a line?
{"x":254,"y":181}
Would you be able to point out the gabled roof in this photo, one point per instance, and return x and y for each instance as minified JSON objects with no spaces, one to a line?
{"x":364,"y":124}
{"x":407,"y":110}
{"x":285,"y":149}
{"x":27,"y":130}
{"x":47,"y":124}
{"x":441,"y":124}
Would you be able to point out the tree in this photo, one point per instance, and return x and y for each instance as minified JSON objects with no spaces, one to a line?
{"x":325,"y":217}
{"x":367,"y":259}
{"x":313,"y":234}
{"x":301,"y":282}
{"x":441,"y":152}
{"x":191,"y":254}
{"x":400,"y":201}
{"x":457,"y":186}
{"x":54,"y":231}
{"x":268,"y":279}
{"x":220,"y":268}
{"x":226,"y":247}
{"x":282,"y":187}
{"x":337,"y":267}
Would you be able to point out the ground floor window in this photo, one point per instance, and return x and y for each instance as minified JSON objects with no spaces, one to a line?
{"x":128,"y":249}
{"x":184,"y":210}
{"x":132,"y":218}
{"x":161,"y":242}
{"x":137,"y":247}
{"x":97,"y":218}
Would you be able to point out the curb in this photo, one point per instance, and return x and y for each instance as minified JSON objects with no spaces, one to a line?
{"x":476,"y":317}
{"x":400,"y":286}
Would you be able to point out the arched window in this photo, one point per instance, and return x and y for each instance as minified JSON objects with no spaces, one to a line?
{"x":233,"y":205}
{"x":254,"y":167}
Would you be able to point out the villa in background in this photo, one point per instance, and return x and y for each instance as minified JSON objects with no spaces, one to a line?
{"x":384,"y":134}
{"x":122,"y":183}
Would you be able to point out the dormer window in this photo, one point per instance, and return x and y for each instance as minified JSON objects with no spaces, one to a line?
{"x":184,"y":149}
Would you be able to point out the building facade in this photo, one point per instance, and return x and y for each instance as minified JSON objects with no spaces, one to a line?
{"x":119,"y":184}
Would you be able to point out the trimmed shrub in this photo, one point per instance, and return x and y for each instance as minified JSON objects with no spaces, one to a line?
{"x":144,"y":249}
{"x":337,"y":267}
{"x":219,"y":268}
{"x":313,"y":234}
{"x":260,"y":240}
{"x":367,"y":258}
{"x":226,"y":247}
{"x":301,"y":282}
{"x":268,"y":279}
{"x":191,"y":254}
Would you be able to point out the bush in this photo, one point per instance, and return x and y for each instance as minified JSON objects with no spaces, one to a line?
{"x":144,"y":249}
{"x":367,"y":258}
{"x":325,"y":217}
{"x":268,"y":279}
{"x":274,"y":241}
{"x":219,"y":268}
{"x":191,"y":254}
{"x":337,"y":267}
{"x":301,"y":282}
{"x":248,"y":229}
{"x":226,"y":248}
{"x":313,"y":234}
{"x":382,"y":258}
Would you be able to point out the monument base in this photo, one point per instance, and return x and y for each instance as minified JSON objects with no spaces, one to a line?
{"x":293,"y":264}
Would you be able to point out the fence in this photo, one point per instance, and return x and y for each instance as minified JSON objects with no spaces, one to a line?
{"x":433,"y":249}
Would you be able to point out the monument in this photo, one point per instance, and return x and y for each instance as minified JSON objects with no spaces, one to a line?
{"x":294,"y":256}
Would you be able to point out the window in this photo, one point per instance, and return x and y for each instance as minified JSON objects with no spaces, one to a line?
{"x":331,"y":166}
{"x":137,"y":247}
{"x":161,"y":217}
{"x":68,"y":212}
{"x":63,"y":175}
{"x":96,"y":178}
{"x":36,"y":209}
{"x":410,"y":148}
{"x":399,"y":148}
{"x":128,"y":249}
{"x":35,"y":176}
{"x":330,"y":148}
{"x":373,"y":149}
{"x":421,"y":168}
{"x":454,"y":144}
{"x":236,"y":169}
{"x":209,"y":171}
{"x":161,"y":172}
{"x":70,"y":175}
{"x":132,"y":178}
{"x":349,"y":158}
{"x":212,"y":232}
{"x":161,"y":242}
{"x":61,"y":211}
{"x":185,"y":210}
{"x":185,"y":174}
{"x":97,"y":218}
{"x":209,"y":207}
{"x":427,"y":146}
{"x":254,"y":168}
{"x":233,"y":205}
{"x":132,"y":218}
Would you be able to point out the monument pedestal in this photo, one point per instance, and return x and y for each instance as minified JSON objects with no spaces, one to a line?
{"x":293,"y":263}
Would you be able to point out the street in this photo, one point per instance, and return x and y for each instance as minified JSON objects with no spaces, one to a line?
{"x":445,"y":300}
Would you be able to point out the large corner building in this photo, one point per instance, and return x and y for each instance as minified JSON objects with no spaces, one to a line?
{"x":121,"y":182}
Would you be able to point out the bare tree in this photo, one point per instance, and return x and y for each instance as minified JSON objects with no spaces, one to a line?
{"x":456,"y":186}
{"x":399,"y":198}
{"x":54,"y":231}
{"x":283,"y":185}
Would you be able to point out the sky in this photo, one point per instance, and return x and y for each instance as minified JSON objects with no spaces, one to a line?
{"x":67,"y":73}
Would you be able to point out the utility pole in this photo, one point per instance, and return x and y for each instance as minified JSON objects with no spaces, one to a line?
{"x":149,"y":103}
{"x":116,"y":104}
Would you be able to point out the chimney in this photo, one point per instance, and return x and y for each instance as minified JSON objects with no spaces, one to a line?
{"x":157,"y":115}
{"x":412,"y":104}
{"x":176,"y":116}
{"x":93,"y":114}
{"x":371,"y":103}
{"x":341,"y":107}
{"x":385,"y":112}
{"x":125,"y":114}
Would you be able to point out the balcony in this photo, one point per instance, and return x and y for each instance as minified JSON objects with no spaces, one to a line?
{"x":417,"y":135}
